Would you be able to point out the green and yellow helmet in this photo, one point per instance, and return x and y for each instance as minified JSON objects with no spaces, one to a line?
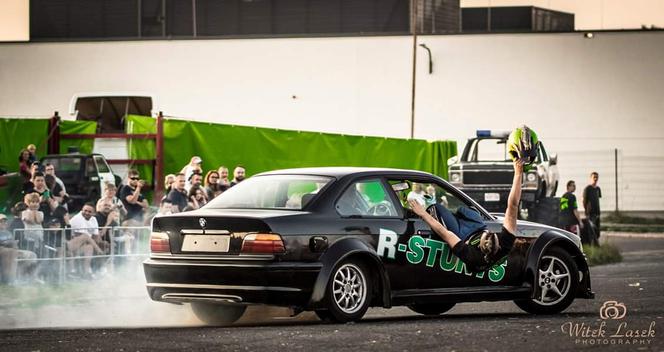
{"x":522,"y":144}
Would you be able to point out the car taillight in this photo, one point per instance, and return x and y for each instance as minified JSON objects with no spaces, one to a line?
{"x":159,"y":242}
{"x":266,"y":243}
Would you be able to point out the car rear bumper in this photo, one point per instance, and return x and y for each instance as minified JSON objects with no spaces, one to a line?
{"x":274,"y":283}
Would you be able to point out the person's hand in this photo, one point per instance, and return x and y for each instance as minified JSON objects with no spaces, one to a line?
{"x":518,"y":165}
{"x":141,"y":183}
{"x":581,"y":225}
{"x":416,"y":207}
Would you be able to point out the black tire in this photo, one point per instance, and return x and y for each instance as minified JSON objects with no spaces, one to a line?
{"x":432,"y":308}
{"x":553,"y":263}
{"x":217,"y":314}
{"x":348,"y":293}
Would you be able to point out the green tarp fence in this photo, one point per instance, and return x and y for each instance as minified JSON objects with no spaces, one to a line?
{"x":263,"y":149}
{"x":85,"y":146}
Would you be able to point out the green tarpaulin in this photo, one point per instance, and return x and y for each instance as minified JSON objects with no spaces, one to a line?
{"x":263,"y":149}
{"x":16,"y":134}
{"x":85,"y":146}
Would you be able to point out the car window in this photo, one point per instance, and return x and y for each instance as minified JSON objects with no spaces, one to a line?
{"x":431,"y":193}
{"x":366,"y":198}
{"x":90,"y":169}
{"x":542,"y":153}
{"x":101,"y":165}
{"x":271,"y":192}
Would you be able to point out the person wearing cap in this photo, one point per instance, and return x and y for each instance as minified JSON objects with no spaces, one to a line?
{"x":194,"y":166}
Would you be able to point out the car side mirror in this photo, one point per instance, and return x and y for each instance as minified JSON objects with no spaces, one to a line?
{"x":553,"y":159}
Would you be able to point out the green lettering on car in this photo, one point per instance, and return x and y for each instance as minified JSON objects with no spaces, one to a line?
{"x":416,"y":253}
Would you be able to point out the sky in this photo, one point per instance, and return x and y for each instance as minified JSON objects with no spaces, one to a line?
{"x":594,"y":14}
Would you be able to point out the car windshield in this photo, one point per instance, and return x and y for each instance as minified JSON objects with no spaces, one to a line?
{"x":271,"y":192}
{"x":490,"y":150}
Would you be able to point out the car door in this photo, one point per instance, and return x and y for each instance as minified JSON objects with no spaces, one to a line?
{"x":370,"y":211}
{"x":439,"y":268}
{"x":104,"y":172}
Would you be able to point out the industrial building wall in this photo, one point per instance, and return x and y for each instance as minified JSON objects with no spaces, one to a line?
{"x":586,"y":97}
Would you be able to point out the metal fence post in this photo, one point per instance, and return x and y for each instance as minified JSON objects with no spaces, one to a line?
{"x":615,"y":163}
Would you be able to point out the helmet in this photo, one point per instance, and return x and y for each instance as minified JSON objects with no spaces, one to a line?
{"x":522,"y":144}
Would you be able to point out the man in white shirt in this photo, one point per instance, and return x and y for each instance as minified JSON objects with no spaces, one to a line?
{"x":85,"y":238}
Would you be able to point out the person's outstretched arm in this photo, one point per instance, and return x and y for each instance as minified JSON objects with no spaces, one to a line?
{"x":514,"y":198}
{"x":448,"y":236}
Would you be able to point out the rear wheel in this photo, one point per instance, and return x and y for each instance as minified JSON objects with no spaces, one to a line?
{"x":217,"y":314}
{"x":431,"y":308}
{"x":348,"y":293}
{"x":556,"y":284}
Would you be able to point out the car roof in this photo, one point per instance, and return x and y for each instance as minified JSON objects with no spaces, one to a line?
{"x":343,"y":171}
{"x":72,"y":155}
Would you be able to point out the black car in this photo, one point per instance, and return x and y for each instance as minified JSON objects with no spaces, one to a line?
{"x":340,"y":240}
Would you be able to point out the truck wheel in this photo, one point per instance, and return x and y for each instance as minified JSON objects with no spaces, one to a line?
{"x":217,"y":314}
{"x":348,"y":293}
{"x":556,"y":284}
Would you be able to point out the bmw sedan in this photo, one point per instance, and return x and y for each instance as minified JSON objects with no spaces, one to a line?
{"x":340,"y":240}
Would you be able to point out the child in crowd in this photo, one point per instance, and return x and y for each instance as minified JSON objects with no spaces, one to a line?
{"x":32,"y":221}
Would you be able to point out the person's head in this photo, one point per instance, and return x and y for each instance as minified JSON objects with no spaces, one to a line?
{"x":24,"y":155}
{"x":88,"y":210}
{"x":32,"y":149}
{"x":196,"y":179}
{"x":211,"y":178}
{"x":18,"y":208}
{"x":179,"y":183}
{"x":3,"y":221}
{"x":168,"y":181}
{"x":594,"y":177}
{"x":106,"y":207}
{"x":133,"y":176}
{"x":223,"y":172}
{"x":197,"y":193}
{"x":417,"y":187}
{"x":34,"y":167}
{"x":39,"y":181}
{"x":49,"y":169}
{"x":571,"y":186}
{"x":238,"y":173}
{"x":431,"y":190}
{"x":32,"y":200}
{"x":109,"y":190}
{"x":50,"y":181}
{"x":196,"y":161}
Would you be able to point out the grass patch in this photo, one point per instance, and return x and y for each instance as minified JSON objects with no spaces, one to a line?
{"x":605,"y":253}
{"x":618,"y":218}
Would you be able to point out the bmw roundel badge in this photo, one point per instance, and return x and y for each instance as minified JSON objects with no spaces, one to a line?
{"x":202,"y":222}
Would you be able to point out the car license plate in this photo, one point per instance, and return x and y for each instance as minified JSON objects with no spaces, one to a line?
{"x":491,"y":197}
{"x":206,"y":243}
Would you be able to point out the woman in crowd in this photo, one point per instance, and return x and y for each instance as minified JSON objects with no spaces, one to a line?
{"x":211,"y":183}
{"x":196,"y":199}
{"x":24,"y":165}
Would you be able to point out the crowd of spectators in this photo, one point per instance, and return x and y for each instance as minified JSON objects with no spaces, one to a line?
{"x":42,"y":225}
{"x":190,"y":190}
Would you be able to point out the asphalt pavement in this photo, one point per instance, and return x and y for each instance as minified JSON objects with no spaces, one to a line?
{"x":632,"y":292}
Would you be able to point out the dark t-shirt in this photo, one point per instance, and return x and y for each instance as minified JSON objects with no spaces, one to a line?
{"x":568,"y":204}
{"x":178,"y":198}
{"x":591,"y":196}
{"x":134,"y":211}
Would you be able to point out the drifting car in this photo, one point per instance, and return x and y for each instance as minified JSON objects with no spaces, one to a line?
{"x":340,"y":240}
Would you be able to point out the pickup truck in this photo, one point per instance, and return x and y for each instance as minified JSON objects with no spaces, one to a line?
{"x":485,"y":173}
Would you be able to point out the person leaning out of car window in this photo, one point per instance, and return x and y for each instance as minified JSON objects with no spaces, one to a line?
{"x":178,"y":195}
{"x":130,"y":195}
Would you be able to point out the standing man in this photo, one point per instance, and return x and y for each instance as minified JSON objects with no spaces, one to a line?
{"x":569,"y":217}
{"x":178,"y":195}
{"x":238,"y":175}
{"x":131,"y":196}
{"x":591,"y":195}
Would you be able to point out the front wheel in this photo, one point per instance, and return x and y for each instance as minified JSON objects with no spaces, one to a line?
{"x":556,"y":284}
{"x":348,"y":293}
{"x":217,"y":314}
{"x":431,"y":308}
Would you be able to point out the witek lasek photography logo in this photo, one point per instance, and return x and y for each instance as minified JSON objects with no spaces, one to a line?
{"x":613,"y":329}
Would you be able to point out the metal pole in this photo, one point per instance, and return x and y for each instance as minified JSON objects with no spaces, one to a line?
{"x":193,"y":11}
{"x":159,"y":158}
{"x":615,"y":157}
{"x":140,"y":14}
{"x":413,"y":27}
